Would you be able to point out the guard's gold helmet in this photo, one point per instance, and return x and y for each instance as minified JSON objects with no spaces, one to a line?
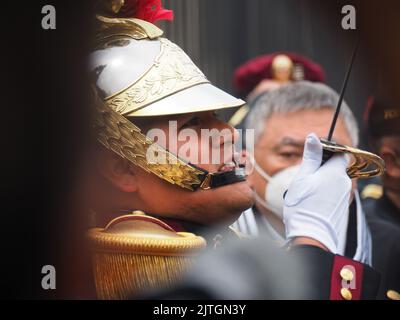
{"x":138,"y":73}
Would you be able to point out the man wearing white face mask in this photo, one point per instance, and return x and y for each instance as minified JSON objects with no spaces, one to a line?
{"x":282,"y":120}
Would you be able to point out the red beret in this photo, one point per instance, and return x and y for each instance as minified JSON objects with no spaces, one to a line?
{"x":248,"y":75}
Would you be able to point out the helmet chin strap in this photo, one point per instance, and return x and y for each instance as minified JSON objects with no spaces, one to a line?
{"x":218,"y":179}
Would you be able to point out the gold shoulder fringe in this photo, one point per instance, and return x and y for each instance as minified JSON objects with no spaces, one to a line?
{"x":136,"y":253}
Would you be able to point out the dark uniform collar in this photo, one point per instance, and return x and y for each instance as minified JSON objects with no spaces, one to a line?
{"x":214,"y":237}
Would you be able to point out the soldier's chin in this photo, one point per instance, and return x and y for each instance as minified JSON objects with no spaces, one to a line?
{"x":238,"y":198}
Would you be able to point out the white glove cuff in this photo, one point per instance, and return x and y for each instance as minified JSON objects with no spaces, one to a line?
{"x":308,"y":224}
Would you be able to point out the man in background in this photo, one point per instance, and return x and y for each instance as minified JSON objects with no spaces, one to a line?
{"x":269,"y":72}
{"x":281,"y":119}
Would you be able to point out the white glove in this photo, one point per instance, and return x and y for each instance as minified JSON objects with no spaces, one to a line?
{"x":317,"y":201}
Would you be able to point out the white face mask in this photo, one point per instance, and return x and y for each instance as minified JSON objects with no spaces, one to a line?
{"x":276,"y":187}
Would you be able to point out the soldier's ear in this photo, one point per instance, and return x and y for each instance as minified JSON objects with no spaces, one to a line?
{"x":119,"y":172}
{"x":392,"y":162}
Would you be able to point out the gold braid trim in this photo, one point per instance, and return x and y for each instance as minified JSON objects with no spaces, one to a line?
{"x":118,"y":134}
{"x":122,"y":276}
{"x":186,"y":244}
{"x":136,"y":252}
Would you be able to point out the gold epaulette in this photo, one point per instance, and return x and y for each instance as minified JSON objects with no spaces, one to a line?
{"x":137,"y":252}
{"x":374,"y":191}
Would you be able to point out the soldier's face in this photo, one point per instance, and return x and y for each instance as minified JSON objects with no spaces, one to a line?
{"x":282,"y":142}
{"x":219,"y":205}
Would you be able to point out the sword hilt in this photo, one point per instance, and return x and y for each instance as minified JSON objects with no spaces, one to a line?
{"x":364,"y":165}
{"x":327,"y":154}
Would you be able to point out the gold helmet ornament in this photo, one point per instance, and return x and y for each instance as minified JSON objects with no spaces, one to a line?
{"x":282,"y":68}
{"x":138,"y":73}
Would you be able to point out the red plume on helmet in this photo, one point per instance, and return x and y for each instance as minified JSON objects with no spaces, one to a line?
{"x":148,"y":10}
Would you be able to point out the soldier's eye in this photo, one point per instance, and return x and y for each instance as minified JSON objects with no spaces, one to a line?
{"x":290,"y":155}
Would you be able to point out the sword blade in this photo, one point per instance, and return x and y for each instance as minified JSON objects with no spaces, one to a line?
{"x":342,"y":91}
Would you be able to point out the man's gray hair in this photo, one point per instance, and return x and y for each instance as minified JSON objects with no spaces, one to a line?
{"x":295,"y":96}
